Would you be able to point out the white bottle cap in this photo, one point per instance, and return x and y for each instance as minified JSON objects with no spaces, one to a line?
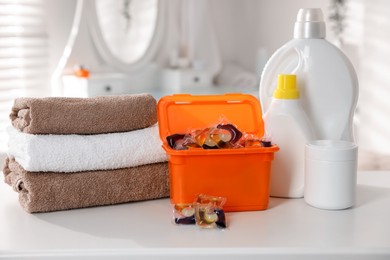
{"x":310,"y":24}
{"x":331,"y":150}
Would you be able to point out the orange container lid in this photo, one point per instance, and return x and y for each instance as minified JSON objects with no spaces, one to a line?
{"x":180,"y":113}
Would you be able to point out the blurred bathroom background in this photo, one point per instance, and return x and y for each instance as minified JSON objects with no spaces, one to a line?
{"x":86,"y":48}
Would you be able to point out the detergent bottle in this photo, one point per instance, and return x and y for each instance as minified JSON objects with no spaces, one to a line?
{"x":289,"y":127}
{"x":326,"y":78}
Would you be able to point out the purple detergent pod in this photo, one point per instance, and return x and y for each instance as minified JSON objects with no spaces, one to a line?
{"x":209,"y":212}
{"x":172,"y":139}
{"x":235,"y":133}
{"x":184,"y":214}
{"x":221,"y":222}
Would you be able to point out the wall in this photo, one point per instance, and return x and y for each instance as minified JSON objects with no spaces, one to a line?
{"x":242,"y":27}
{"x":60,"y":17}
{"x":369,"y":35}
{"x":245,"y":27}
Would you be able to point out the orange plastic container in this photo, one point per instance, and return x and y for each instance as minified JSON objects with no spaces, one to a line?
{"x":241,"y":175}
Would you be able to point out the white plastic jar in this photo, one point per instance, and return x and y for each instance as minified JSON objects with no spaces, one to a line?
{"x":330,"y":174}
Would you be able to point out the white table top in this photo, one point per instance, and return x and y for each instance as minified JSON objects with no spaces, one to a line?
{"x":289,"y":229}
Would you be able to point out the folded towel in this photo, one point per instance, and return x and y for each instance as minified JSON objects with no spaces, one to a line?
{"x":55,"y":115}
{"x":44,"y":192}
{"x":73,"y":153}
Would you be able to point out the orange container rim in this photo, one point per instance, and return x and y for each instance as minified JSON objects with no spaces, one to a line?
{"x":250,"y":150}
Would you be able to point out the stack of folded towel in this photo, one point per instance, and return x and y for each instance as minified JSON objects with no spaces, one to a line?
{"x":67,"y":153}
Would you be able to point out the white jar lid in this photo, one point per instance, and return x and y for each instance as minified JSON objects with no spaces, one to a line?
{"x":331,"y":150}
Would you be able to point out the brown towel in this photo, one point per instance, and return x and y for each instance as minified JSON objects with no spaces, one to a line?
{"x":51,"y":191}
{"x":108,"y":114}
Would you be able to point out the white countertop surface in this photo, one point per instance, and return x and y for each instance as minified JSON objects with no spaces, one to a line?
{"x":289,"y":229}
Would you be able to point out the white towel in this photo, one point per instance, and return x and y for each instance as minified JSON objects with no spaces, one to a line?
{"x":73,"y":153}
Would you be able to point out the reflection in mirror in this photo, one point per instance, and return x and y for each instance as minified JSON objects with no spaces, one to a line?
{"x":127,"y":27}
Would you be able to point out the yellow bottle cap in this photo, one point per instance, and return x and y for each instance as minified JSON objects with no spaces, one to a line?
{"x":287,"y":87}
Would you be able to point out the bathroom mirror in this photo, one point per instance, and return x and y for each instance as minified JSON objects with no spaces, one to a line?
{"x":126,"y":33}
